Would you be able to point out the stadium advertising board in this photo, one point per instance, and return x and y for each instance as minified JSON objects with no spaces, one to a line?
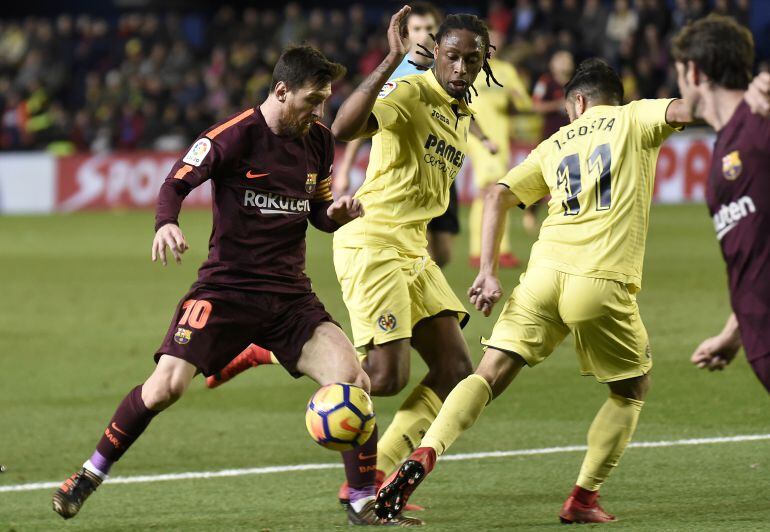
{"x":43,"y":183}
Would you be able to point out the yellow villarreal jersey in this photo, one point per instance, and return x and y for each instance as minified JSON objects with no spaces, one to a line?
{"x":417,"y":151}
{"x":599,"y":171}
{"x":492,"y":105}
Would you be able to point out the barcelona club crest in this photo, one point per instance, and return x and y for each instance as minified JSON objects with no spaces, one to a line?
{"x":387,"y":322}
{"x":732,"y":165}
{"x":182,"y":335}
{"x":310,"y":183}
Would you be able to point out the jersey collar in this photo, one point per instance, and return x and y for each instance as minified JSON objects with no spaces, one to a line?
{"x":451,"y":100}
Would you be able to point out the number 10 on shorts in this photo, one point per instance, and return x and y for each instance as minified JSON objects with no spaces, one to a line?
{"x":196,"y":313}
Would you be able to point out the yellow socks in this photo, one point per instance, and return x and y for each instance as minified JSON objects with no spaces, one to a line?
{"x":608,"y":437}
{"x":407,"y":428}
{"x":461,"y":409}
{"x":474,"y":222}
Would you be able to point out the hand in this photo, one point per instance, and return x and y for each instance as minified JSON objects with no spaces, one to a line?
{"x":485,"y":291}
{"x":758,"y":95}
{"x":714,"y":353}
{"x":169,"y":235}
{"x":345,"y":209}
{"x":491,"y":145}
{"x":399,"y":44}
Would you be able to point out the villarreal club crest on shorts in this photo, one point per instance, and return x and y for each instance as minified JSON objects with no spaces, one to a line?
{"x":387,"y":322}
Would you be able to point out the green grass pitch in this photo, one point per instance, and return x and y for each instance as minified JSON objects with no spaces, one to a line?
{"x":83,"y":309}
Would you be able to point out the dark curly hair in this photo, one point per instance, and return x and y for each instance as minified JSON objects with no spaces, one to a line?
{"x":597,"y":81}
{"x":474,"y":24}
{"x":720,"y":47}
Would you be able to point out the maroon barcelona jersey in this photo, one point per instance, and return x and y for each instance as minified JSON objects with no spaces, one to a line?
{"x":738,"y":196}
{"x":265,"y":189}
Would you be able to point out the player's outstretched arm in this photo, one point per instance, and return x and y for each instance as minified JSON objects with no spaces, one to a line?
{"x":169,"y":235}
{"x":486,"y":290}
{"x":355,"y":119}
{"x":758,"y":95}
{"x":718,"y":351}
{"x":680,"y":112}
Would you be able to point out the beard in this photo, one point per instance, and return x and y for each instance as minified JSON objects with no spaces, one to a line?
{"x":293,"y":126}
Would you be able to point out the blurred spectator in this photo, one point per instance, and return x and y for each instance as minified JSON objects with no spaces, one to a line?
{"x":155,"y":80}
{"x":525,"y":16}
{"x":499,"y":16}
{"x":621,"y":24}
{"x":548,"y":96}
{"x":593,"y":23}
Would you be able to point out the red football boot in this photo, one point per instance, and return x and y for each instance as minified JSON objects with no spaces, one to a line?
{"x":250,"y":357}
{"x":509,"y":260}
{"x":344,"y":494}
{"x":399,"y":486}
{"x":582,"y":506}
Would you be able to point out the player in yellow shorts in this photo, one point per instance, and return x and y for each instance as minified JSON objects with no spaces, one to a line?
{"x":584,"y":272}
{"x":493,"y":108}
{"x":395,"y":293}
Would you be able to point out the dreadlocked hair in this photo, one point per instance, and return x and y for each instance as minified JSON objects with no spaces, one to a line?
{"x":474,"y":24}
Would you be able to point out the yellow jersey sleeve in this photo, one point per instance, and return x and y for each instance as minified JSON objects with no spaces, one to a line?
{"x":650,"y":117}
{"x":394,"y":104}
{"x":526,"y":180}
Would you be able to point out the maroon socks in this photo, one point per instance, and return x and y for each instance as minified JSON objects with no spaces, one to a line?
{"x":126,"y":425}
{"x":361,"y":469}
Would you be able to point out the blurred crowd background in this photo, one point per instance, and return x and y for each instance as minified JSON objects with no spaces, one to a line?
{"x":79,"y":82}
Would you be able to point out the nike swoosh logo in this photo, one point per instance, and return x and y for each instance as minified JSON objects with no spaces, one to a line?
{"x":347,"y":426}
{"x":114,"y":426}
{"x":249,"y":175}
{"x":362,"y":456}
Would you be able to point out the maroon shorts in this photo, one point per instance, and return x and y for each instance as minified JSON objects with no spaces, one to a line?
{"x":761,"y":366}
{"x":211,"y":327}
{"x":755,"y":336}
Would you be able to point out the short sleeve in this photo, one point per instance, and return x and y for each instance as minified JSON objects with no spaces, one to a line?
{"x":393,"y":105}
{"x":650,"y":116}
{"x":526,"y":181}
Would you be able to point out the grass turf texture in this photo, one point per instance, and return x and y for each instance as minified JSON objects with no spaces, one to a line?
{"x":83,"y":309}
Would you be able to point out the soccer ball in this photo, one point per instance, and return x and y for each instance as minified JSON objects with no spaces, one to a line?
{"x":340,"y":416}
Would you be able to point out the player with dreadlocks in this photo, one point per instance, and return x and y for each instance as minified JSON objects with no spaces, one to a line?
{"x":395,"y":293}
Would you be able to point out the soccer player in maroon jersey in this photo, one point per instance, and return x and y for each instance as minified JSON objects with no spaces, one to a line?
{"x":270,"y":169}
{"x":714,"y":57}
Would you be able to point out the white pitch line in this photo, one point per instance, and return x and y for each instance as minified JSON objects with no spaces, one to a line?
{"x":452,"y":457}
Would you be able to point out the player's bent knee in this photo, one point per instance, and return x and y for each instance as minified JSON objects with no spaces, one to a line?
{"x":161,"y":395}
{"x":362,"y":381}
{"x":385,"y":385}
{"x":499,"y":368}
{"x":634,"y":388}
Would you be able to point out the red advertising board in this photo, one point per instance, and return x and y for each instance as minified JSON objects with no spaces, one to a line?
{"x":131,"y":180}
{"x":127,"y":180}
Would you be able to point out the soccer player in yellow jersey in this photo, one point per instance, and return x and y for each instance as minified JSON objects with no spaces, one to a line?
{"x":493,"y":108}
{"x":396,"y":295}
{"x":583,"y":274}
